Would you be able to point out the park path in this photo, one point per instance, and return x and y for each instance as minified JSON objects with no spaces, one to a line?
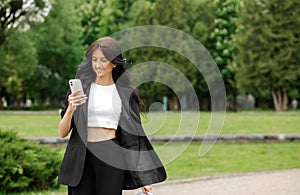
{"x":283,"y":182}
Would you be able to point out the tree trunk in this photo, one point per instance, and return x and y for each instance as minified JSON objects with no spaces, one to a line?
{"x":234,"y":103}
{"x":275,"y":100}
{"x":285,"y":101}
{"x":280,"y":99}
{"x":19,"y":104}
{"x":1,"y":104}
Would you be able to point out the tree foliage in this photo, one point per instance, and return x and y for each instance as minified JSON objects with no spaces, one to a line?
{"x":46,"y":41}
{"x":60,"y":51}
{"x":18,"y":65}
{"x":226,"y":14}
{"x":15,"y":12}
{"x":187,"y":16}
{"x":268,"y":44}
{"x":115,"y":16}
{"x":90,"y":13}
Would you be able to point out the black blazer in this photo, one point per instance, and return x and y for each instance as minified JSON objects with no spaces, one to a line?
{"x":142,"y":169}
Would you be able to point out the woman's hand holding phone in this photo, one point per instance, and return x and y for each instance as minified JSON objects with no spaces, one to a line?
{"x":76,"y":99}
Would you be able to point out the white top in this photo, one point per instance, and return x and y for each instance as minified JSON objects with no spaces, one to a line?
{"x":104,"y":107}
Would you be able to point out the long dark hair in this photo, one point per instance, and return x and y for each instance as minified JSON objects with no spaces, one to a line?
{"x":112,"y":52}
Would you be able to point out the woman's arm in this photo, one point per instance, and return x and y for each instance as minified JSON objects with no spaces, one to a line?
{"x":64,"y":125}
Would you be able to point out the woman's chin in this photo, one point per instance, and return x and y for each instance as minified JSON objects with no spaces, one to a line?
{"x":99,"y":73}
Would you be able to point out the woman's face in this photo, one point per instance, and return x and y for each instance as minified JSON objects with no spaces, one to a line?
{"x":101,"y":65}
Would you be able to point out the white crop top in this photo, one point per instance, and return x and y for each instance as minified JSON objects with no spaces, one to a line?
{"x":104,"y":106}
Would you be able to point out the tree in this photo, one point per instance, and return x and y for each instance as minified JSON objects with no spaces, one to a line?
{"x":224,"y":29}
{"x":115,"y":16}
{"x":60,"y":51}
{"x":90,"y":13}
{"x":191,"y":17}
{"x":103,"y":18}
{"x":17,"y":67}
{"x":268,"y":49}
{"x":15,"y":12}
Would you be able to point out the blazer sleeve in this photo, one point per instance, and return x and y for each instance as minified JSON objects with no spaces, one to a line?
{"x":148,"y":168}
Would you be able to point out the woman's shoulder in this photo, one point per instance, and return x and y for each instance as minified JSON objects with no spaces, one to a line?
{"x":124,"y":87}
{"x":126,"y":91}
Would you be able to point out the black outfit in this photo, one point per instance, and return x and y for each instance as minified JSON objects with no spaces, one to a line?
{"x":142,"y":166}
{"x":98,"y":176}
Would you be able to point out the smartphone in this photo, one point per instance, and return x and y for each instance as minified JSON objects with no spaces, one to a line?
{"x":75,"y":85}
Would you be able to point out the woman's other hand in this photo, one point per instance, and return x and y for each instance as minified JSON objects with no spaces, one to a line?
{"x":146,"y":189}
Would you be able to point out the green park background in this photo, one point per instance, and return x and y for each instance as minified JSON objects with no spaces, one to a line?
{"x":255,"y":45}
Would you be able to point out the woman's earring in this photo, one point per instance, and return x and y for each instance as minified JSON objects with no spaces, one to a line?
{"x":114,"y":66}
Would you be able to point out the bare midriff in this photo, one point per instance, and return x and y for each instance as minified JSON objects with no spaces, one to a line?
{"x":96,"y":134}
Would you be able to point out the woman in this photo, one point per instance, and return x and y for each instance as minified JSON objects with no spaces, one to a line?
{"x":108,"y":150}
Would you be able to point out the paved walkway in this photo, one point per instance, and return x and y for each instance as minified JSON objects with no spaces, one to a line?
{"x":285,"y":182}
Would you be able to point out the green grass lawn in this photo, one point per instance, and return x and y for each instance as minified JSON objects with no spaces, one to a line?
{"x":234,"y":158}
{"x":222,"y":159}
{"x":31,"y":125}
{"x":225,"y":159}
{"x":160,"y":123}
{"x":235,"y":123}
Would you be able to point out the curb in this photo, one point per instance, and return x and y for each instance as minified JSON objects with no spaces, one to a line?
{"x":198,"y":138}
{"x":227,"y":138}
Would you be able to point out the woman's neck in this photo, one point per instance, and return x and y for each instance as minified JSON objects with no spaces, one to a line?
{"x":104,"y":80}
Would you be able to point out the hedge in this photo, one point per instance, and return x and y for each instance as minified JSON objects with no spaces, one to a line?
{"x":26,"y":166}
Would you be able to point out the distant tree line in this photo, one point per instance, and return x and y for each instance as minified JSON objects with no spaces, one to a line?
{"x":254,"y":43}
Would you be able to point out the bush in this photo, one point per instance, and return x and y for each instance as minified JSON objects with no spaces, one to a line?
{"x":26,"y":166}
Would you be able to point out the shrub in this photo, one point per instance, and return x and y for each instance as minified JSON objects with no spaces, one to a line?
{"x":26,"y":166}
